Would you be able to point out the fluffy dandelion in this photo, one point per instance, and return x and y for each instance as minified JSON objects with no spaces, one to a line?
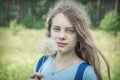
{"x":47,"y":46}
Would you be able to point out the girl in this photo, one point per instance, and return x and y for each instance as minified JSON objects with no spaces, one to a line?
{"x":67,"y":24}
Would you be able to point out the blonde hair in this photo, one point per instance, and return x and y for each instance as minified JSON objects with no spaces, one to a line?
{"x":78,"y":18}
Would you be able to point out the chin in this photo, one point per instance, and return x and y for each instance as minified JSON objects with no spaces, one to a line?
{"x":61,"y":51}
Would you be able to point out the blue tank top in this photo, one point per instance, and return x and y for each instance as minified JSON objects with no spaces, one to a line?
{"x":68,"y":74}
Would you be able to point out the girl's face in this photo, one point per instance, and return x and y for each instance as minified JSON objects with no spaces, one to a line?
{"x":64,"y":33}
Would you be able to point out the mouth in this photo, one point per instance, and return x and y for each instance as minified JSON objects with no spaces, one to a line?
{"x":60,"y":44}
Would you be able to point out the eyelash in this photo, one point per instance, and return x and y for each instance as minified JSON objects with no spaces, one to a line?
{"x":70,"y":30}
{"x":67,"y":30}
{"x":56,"y":29}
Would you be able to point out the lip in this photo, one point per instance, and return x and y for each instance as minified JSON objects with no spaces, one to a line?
{"x":61,"y":44}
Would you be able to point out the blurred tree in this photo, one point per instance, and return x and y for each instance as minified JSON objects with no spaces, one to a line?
{"x":29,"y":12}
{"x":4,"y":12}
{"x":7,"y":11}
{"x":110,"y":22}
{"x":98,"y":8}
{"x":18,"y":9}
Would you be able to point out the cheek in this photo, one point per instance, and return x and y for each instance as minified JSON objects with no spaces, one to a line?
{"x":53,"y":35}
{"x":74,"y":39}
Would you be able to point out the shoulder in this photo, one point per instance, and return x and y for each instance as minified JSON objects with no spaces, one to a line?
{"x":41,"y":61}
{"x":89,"y":74}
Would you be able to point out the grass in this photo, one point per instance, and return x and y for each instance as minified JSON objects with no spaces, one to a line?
{"x":110,"y":46}
{"x":18,"y":53}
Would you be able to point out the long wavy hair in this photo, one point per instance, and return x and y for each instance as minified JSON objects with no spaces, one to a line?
{"x":86,"y":48}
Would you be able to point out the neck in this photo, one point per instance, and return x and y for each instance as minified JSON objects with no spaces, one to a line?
{"x":63,"y":61}
{"x":65,"y":57}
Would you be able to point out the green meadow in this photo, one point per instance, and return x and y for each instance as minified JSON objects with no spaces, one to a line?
{"x":18,"y":52}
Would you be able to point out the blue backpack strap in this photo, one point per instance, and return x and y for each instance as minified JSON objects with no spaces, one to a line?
{"x":80,"y":71}
{"x":40,"y":62}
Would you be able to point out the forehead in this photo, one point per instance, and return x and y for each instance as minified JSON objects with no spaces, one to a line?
{"x":61,"y":20}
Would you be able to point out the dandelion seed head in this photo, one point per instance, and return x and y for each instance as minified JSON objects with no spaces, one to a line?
{"x":47,"y":46}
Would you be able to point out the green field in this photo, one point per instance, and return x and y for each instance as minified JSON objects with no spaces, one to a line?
{"x":18,"y":53}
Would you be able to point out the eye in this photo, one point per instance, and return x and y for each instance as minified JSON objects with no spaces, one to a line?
{"x":56,"y":29}
{"x":70,"y":30}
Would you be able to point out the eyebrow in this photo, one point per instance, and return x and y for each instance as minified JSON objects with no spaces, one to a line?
{"x":56,"y":26}
{"x":59,"y":26}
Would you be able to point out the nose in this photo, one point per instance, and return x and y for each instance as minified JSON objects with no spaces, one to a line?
{"x":61,"y":35}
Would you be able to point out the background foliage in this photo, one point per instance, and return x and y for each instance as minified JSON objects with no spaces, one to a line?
{"x":111,"y":22}
{"x":33,"y":13}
